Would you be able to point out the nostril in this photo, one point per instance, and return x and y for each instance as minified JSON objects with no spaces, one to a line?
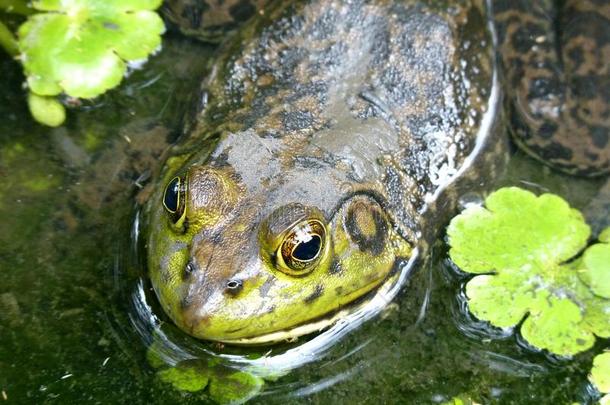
{"x":189,"y":269}
{"x":234,"y":286}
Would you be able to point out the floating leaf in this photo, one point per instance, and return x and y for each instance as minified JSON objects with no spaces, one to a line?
{"x":81,"y":47}
{"x":594,"y":269}
{"x":604,"y":236}
{"x":523,"y":243}
{"x":600,"y":376}
{"x":600,"y":373}
{"x":555,"y":324}
{"x":517,"y":228}
{"x":46,"y":110}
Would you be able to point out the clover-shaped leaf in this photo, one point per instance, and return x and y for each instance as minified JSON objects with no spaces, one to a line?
{"x":600,"y":376}
{"x":519,"y":244}
{"x":82,"y":47}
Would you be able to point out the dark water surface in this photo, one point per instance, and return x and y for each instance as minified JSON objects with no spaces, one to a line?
{"x":70,"y":273}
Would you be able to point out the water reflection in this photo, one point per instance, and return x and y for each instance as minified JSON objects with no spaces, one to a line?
{"x":508,"y":365}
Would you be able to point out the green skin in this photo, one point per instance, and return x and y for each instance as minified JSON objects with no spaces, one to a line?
{"x":367,"y":119}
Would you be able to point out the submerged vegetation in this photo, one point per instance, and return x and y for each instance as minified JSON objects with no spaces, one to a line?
{"x":80,"y":48}
{"x":207,"y":377}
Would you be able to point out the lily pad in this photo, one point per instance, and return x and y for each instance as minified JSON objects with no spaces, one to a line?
{"x":82,"y":47}
{"x":600,"y":376}
{"x":519,"y":245}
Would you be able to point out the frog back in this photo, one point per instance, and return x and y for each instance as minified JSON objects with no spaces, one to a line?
{"x":396,"y":99}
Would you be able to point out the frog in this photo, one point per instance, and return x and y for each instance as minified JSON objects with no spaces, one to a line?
{"x":331,"y":144}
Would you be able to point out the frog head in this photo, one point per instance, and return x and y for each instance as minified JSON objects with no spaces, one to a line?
{"x":245,"y":255}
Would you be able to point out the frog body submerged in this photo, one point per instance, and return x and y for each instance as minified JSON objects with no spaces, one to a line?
{"x":335,"y":140}
{"x":556,"y":59}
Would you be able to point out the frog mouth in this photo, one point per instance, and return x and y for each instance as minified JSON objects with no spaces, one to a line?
{"x":360,"y":299}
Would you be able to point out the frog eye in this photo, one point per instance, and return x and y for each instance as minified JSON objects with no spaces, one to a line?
{"x":302,"y":247}
{"x":174,"y":198}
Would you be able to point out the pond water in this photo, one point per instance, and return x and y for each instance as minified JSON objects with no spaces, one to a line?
{"x":73,"y":326}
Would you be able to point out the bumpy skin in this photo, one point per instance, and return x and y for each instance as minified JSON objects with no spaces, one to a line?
{"x":557,"y":65}
{"x":368,"y":116}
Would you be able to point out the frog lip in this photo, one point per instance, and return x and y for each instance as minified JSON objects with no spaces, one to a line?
{"x":314,"y":325}
{"x":288,"y":334}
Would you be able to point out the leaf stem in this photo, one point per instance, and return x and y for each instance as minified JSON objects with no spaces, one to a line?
{"x":16,"y":7}
{"x":7,"y":40}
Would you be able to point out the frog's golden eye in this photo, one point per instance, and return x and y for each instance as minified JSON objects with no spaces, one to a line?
{"x":303,"y":245}
{"x":174,"y":198}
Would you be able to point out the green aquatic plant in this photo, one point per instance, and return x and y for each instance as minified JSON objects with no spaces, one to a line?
{"x":81,"y":48}
{"x":600,"y":376}
{"x":521,"y":247}
{"x":460,"y":400}
{"x":594,"y":266}
{"x":8,"y":41}
{"x":225,"y":385}
{"x":46,"y":110}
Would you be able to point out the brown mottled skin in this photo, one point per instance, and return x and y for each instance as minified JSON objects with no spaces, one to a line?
{"x":557,"y":66}
{"x":281,"y":97}
{"x":556,"y":62}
